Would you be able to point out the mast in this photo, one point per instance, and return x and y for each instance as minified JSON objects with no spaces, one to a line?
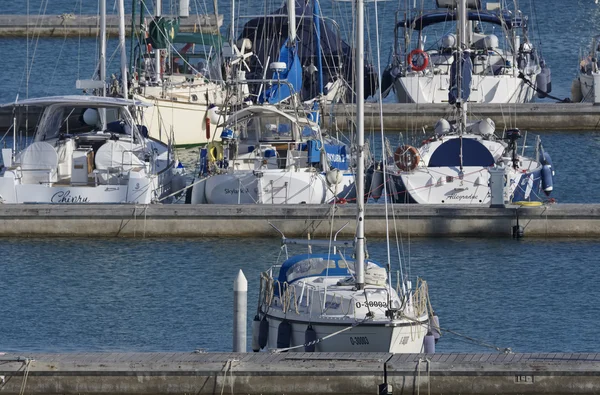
{"x":291,"y":21}
{"x":317,"y":22}
{"x":462,"y":40}
{"x":103,"y":57}
{"x":232,"y":29}
{"x":462,"y":101}
{"x":123,"y":49}
{"x":359,"y":71}
{"x":157,"y":60}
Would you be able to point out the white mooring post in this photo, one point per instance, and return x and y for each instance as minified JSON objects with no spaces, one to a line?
{"x":240,"y":312}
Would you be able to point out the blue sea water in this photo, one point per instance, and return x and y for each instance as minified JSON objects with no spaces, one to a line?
{"x":63,"y":295}
{"x":532,"y":295}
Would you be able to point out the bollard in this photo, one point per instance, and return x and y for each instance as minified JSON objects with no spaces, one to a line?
{"x":240,"y":307}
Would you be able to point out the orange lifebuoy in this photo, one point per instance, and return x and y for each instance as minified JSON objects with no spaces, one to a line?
{"x":412,"y":55}
{"x":406,"y":157}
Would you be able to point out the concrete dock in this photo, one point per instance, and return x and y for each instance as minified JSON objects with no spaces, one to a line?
{"x":73,"y":25}
{"x":413,"y":117}
{"x":298,"y":373}
{"x":526,"y":116}
{"x":179,"y":220}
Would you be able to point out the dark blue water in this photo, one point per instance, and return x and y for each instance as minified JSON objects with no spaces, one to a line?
{"x":176,"y":295}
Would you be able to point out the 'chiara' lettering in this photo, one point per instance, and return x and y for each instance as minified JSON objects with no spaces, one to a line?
{"x":65,"y":197}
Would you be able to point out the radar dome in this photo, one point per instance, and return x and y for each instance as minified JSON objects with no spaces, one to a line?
{"x":442,"y":127}
{"x":449,"y":41}
{"x":90,"y":117}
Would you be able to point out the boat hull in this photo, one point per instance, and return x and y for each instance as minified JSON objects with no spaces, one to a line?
{"x":484,"y":89}
{"x":183,"y":122}
{"x":443,"y":185}
{"x":403,"y":337}
{"x":270,"y":187}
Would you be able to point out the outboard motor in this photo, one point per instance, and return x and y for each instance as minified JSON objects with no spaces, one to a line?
{"x":513,"y":135}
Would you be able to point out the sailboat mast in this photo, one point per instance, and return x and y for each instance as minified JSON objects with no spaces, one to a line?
{"x":157,"y":59}
{"x":317,"y":22}
{"x":462,"y":40}
{"x":291,"y":21}
{"x":103,"y":57}
{"x":123,"y":49}
{"x":359,"y":62}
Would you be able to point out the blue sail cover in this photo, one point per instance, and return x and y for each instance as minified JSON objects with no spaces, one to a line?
{"x":467,"y":74}
{"x":292,"y":74}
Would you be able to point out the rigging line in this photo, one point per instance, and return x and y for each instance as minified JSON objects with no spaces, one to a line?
{"x":383,"y":153}
{"x":29,"y":66}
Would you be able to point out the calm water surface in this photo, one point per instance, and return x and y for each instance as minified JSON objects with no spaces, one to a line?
{"x":176,"y":295}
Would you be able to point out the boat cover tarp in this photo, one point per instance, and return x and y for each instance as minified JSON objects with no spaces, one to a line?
{"x":474,"y":154}
{"x":269,"y":33}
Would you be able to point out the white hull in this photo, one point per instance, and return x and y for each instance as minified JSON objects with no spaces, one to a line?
{"x":269,"y":187}
{"x":587,"y":87}
{"x":484,"y":89}
{"x":405,"y":337}
{"x":184,"y":123}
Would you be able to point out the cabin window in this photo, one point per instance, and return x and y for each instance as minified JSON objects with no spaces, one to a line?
{"x":309,"y":267}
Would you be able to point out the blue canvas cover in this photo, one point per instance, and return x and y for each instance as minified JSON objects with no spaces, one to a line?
{"x":474,"y":154}
{"x":293,"y":75}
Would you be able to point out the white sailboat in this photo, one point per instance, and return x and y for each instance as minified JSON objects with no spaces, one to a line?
{"x":274,"y":151}
{"x":457,"y":164}
{"x":185,"y":88}
{"x":507,"y":67}
{"x":86,"y":149}
{"x":332,"y":302}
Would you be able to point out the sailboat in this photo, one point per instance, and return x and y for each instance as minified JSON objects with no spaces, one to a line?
{"x":465,"y":161}
{"x":334,"y":301}
{"x":184,"y":87}
{"x":507,"y":66}
{"x":273,"y":151}
{"x":331,"y":56}
{"x":86,"y":149}
{"x":584,"y":86}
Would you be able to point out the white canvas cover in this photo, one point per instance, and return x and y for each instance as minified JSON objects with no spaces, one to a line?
{"x":116,"y":154}
{"x":38,"y":156}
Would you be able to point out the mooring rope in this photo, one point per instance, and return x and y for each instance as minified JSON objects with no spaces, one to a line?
{"x":25,"y":375}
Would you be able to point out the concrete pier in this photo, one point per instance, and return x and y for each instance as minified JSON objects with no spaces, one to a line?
{"x":413,"y":117}
{"x":73,"y":25}
{"x":298,"y":373}
{"x":526,"y":116}
{"x":179,"y":220}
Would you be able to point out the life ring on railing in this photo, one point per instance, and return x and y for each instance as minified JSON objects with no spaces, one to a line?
{"x":215,"y":151}
{"x":414,"y":53}
{"x":406,"y":157}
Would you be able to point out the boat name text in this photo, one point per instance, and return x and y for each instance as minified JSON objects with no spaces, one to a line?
{"x":463,"y":197}
{"x":65,"y":197}
{"x":359,"y":340}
